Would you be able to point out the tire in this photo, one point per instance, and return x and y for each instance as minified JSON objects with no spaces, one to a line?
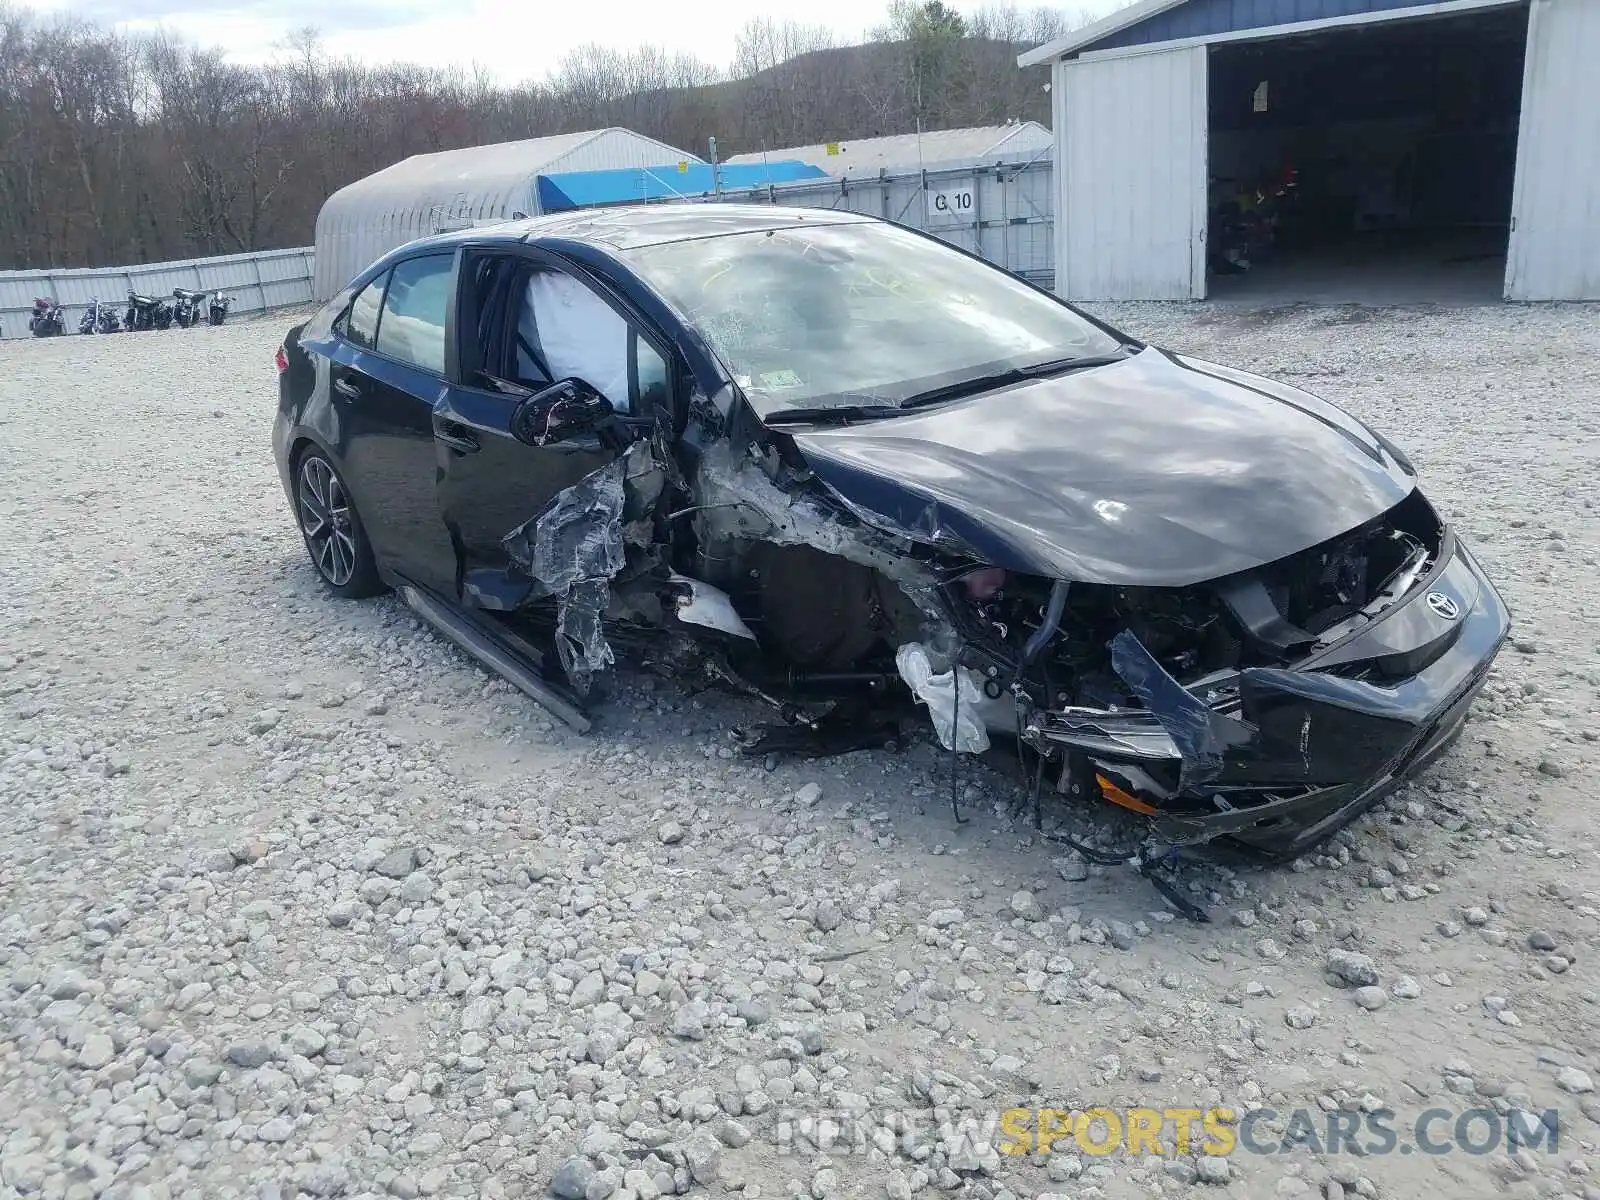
{"x":332,"y":530}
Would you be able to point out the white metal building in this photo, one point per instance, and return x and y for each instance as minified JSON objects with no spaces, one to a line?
{"x":428,"y":193}
{"x":1458,"y":139}
{"x":935,"y":149}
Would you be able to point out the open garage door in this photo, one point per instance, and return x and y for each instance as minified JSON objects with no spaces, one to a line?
{"x":1370,"y":162}
{"x":1555,"y":247}
{"x":1132,"y":223}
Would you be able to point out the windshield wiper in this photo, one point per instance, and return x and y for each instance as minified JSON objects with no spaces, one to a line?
{"x":987,"y":383}
{"x":1082,"y":363}
{"x":840,"y":414}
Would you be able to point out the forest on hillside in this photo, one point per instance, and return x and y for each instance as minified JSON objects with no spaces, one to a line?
{"x":123,"y":149}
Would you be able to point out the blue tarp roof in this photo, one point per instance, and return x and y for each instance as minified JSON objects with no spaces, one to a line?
{"x":629,"y":185}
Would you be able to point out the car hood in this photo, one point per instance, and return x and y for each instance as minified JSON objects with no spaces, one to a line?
{"x":1157,"y":471}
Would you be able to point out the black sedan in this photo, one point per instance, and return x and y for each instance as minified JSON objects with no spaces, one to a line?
{"x":846,"y":468}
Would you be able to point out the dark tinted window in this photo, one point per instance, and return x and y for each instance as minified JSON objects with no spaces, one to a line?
{"x":412,"y":329}
{"x":361,"y":323}
{"x":653,"y":376}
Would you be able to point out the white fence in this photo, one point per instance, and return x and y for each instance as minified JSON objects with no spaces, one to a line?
{"x":1004,"y":212}
{"x":266,"y":279}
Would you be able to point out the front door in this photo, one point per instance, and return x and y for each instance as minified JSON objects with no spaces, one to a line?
{"x":532,"y":324}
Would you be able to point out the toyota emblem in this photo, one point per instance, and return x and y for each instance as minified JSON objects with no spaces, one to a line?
{"x":1442,"y":605}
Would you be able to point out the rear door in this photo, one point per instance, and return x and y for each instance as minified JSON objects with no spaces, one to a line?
{"x":386,"y":376}
{"x":529,"y":320}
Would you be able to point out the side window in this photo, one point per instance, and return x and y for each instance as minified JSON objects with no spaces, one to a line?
{"x":412,"y":328}
{"x":359,"y":326}
{"x":652,"y":375}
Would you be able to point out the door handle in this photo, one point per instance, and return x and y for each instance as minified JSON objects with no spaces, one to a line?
{"x":456,"y":436}
{"x":346,"y":389}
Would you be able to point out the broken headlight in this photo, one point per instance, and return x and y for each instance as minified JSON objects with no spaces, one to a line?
{"x":1131,"y":733}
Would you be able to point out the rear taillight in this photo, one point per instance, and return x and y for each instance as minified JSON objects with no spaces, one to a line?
{"x":282,"y":360}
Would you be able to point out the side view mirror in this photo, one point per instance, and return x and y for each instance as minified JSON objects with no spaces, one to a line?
{"x":562,"y":410}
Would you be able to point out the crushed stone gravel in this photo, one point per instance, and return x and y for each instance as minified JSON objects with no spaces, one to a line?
{"x":296,"y":901}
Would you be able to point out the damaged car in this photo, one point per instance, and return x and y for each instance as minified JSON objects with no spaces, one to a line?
{"x":870,"y":479}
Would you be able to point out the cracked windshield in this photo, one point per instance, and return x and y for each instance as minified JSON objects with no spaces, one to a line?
{"x":856,"y":313}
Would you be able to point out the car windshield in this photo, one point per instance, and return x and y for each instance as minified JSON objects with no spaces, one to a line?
{"x":825,"y":315}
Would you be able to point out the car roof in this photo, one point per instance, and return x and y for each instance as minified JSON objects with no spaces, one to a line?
{"x":645,"y":225}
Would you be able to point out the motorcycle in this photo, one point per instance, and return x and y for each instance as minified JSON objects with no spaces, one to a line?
{"x":147,"y":312}
{"x":1244,"y":222}
{"x":46,"y":319}
{"x":220,"y":305}
{"x":99,"y":318}
{"x":186,"y":307}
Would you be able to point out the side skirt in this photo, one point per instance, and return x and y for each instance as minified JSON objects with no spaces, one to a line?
{"x":487,"y":647}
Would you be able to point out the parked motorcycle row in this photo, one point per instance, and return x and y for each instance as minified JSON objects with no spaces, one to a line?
{"x":186,"y":309}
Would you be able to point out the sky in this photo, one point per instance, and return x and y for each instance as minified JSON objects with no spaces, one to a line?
{"x":513,"y":39}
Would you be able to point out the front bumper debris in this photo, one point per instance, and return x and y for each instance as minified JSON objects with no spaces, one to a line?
{"x":1280,"y":758}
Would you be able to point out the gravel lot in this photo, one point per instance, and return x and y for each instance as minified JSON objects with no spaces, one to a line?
{"x":294,"y":900}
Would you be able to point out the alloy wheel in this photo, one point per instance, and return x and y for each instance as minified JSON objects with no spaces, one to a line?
{"x":326,"y":520}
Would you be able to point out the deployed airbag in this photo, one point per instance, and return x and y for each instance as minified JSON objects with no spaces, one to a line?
{"x":961,"y":730}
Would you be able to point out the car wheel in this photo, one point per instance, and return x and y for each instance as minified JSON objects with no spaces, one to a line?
{"x":332,"y":529}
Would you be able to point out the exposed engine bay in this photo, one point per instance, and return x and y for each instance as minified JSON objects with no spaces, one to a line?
{"x":1152,"y":698}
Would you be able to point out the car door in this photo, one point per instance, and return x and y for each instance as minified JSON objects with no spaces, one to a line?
{"x":386,"y":376}
{"x":529,"y":320}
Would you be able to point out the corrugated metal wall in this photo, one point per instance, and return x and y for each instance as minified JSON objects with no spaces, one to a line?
{"x":1555,"y":237}
{"x":1003,"y":212}
{"x":1133,"y":163}
{"x":937,"y":149}
{"x":1205,"y":18}
{"x":267,"y":279}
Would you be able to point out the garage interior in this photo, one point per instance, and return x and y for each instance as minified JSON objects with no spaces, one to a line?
{"x":1372,"y":163}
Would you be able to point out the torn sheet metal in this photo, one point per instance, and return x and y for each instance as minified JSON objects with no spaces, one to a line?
{"x":578,"y":543}
{"x":580,"y":635}
{"x":644,"y":479}
{"x":710,"y":607}
{"x":1200,"y":734}
{"x":578,"y":536}
{"x":737,"y":500}
{"x":962,"y":729}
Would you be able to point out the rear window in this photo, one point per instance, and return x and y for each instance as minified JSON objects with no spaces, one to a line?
{"x":412,"y":327}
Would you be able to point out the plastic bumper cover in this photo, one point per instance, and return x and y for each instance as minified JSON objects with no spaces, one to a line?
{"x":1297,"y":753}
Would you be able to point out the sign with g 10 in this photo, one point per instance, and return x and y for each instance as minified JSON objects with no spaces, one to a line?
{"x":951,"y":204}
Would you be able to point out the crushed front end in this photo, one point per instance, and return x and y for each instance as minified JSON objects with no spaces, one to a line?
{"x":1270,"y":707}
